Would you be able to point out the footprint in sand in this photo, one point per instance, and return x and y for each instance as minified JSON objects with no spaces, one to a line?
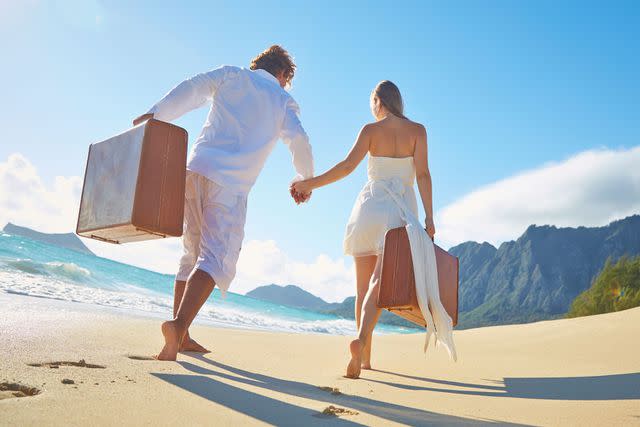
{"x":336,"y":411}
{"x":11,"y":390}
{"x":55,"y":365}
{"x":333,"y":390}
{"x":136,"y":357}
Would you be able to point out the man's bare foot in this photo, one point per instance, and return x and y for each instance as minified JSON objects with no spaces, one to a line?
{"x":189,"y":344}
{"x":172,"y":338}
{"x":366,"y":365}
{"x":353,"y":368}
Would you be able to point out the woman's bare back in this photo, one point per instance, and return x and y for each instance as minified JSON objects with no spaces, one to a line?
{"x":394,"y":137}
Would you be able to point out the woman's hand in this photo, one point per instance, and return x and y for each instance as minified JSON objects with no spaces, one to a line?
{"x":430,"y":227}
{"x":142,"y":118}
{"x":301,"y":191}
{"x":302,"y":187}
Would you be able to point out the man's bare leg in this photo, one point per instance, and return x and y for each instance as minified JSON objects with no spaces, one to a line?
{"x":370,"y":316}
{"x":188,"y":343}
{"x":197,"y":290}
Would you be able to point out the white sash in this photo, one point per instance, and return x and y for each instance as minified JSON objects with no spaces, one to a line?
{"x":425,"y":270}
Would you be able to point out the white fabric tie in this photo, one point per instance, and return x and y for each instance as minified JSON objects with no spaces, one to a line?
{"x":393,"y":186}
{"x":425,"y":269}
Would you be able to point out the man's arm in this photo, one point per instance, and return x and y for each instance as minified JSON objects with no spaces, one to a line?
{"x":295,"y":137}
{"x":188,"y":95}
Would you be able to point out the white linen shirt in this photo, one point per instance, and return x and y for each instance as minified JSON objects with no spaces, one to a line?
{"x":249,"y":113}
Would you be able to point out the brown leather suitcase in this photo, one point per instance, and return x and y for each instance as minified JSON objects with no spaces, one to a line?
{"x":397,"y":283}
{"x":134,"y":185}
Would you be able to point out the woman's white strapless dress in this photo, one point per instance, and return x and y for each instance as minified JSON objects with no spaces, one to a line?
{"x":388,"y":201}
{"x":375,"y":211}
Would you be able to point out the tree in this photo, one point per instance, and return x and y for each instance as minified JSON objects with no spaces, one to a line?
{"x":616,"y":288}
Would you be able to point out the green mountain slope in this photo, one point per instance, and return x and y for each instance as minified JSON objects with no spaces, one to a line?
{"x":540,"y":274}
{"x":616,"y":288}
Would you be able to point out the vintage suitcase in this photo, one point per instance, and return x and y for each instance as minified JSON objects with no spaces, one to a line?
{"x":397,"y":283}
{"x":134,"y":185}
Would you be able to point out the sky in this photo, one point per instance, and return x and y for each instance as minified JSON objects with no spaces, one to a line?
{"x":531,"y":110}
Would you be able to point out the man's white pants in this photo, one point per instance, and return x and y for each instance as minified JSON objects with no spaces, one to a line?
{"x":214,"y":219}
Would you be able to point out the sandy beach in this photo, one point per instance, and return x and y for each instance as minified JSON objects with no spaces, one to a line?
{"x":583,"y":371}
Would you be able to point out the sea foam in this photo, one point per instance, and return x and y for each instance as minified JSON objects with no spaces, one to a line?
{"x":63,"y":270}
{"x":144,"y":301}
{"x":41,"y":270}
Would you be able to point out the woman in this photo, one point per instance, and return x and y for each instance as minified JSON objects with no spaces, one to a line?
{"x":397,"y":149}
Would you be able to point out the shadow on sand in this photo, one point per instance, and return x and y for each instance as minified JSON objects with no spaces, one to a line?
{"x":265,"y":409}
{"x":603,"y":387}
{"x":280,"y":412}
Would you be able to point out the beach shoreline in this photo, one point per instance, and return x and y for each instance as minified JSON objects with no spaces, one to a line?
{"x":557,"y":372}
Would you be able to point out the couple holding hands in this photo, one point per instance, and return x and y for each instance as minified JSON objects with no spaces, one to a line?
{"x":251,"y":110}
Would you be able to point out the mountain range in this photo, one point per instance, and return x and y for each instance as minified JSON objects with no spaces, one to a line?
{"x":538,"y":275}
{"x":293,"y":296}
{"x":535,"y":277}
{"x":65,"y":240}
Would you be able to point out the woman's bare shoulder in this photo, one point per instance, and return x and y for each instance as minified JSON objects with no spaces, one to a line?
{"x":416,"y":127}
{"x":370,"y":128}
{"x":383,"y":126}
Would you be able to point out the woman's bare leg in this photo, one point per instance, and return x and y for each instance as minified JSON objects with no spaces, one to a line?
{"x":198,"y":288}
{"x":188,"y":343}
{"x":370,"y":316}
{"x":365,"y":265}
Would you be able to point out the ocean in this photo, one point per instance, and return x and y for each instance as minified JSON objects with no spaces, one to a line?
{"x":37,"y":269}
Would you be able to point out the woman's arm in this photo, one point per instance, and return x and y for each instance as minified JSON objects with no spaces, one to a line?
{"x":342,"y":169}
{"x":423,"y":177}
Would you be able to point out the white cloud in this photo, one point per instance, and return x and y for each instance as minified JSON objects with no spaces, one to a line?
{"x":26,"y":200}
{"x":591,"y":188}
{"x":263,"y":262}
{"x":161,"y":255}
{"x":260,"y":263}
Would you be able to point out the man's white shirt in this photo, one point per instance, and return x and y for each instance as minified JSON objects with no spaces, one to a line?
{"x":249,"y":113}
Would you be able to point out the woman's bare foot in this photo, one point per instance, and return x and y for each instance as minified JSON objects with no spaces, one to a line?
{"x":353,"y":368}
{"x":189,"y":344}
{"x":366,"y":356}
{"x":172,"y":338}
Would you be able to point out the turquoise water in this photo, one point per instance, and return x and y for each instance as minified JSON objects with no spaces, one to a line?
{"x":36,"y":269}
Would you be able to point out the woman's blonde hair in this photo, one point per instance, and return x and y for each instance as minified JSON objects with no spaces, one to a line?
{"x":389,"y":95}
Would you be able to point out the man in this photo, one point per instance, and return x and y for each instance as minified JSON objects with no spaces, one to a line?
{"x":250,"y":111}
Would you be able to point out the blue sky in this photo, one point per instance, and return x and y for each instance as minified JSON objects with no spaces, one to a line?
{"x":503,"y":87}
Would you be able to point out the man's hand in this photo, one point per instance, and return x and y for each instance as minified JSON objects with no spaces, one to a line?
{"x":299,"y":198}
{"x":430,"y":227}
{"x":142,"y":118}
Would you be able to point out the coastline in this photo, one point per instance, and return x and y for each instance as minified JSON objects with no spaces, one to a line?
{"x":559,"y":372}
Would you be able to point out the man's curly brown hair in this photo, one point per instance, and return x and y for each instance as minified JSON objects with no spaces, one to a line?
{"x":275,"y":60}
